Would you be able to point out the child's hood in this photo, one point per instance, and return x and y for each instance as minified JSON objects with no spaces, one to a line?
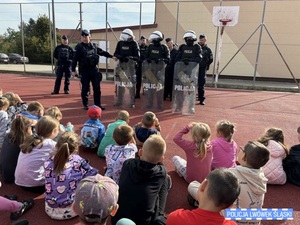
{"x":276,"y":150}
{"x":255,"y":179}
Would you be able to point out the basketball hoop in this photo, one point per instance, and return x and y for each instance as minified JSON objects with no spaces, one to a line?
{"x":225,"y":21}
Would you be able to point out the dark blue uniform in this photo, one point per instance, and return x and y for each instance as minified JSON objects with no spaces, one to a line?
{"x":64,"y":55}
{"x":170,"y":74}
{"x":143,"y":53}
{"x":88,"y":57}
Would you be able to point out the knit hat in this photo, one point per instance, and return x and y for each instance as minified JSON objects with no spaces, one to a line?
{"x":94,"y":112}
{"x":95,"y":198}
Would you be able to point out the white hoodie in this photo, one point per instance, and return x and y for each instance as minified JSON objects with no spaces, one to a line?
{"x":253,"y":188}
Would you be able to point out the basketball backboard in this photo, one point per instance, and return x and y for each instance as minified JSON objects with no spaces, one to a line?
{"x":225,"y":15}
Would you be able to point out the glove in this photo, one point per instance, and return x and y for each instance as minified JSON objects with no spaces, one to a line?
{"x":125,"y":59}
{"x":186,"y":62}
{"x":156,"y":61}
{"x":148,"y":60}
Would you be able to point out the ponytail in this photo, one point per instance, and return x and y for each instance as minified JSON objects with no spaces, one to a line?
{"x":201,"y":134}
{"x":60,"y":158}
{"x":31,"y":142}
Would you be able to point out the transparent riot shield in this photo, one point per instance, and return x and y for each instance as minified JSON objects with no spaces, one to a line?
{"x":153,"y":79}
{"x":125,"y":79}
{"x":184,"y":87}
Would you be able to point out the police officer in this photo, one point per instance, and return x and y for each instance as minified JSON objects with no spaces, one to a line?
{"x":170,"y":69}
{"x":64,"y":55}
{"x":143,"y":52}
{"x":127,"y":48}
{"x":207,"y":59}
{"x":157,"y":52}
{"x":87,"y":54}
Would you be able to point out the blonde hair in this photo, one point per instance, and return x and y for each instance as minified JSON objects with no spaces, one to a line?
{"x":11,"y":98}
{"x":226,"y":129}
{"x":4,"y":103}
{"x":200,"y":134}
{"x":123,"y":115}
{"x":44,"y":128}
{"x":66,"y":145}
{"x":153,"y":149}
{"x":148,"y":119}
{"x":54,"y":112}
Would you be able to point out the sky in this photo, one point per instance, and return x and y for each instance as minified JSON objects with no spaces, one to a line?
{"x":67,"y":16}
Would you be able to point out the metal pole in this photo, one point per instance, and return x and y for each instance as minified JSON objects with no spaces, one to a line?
{"x":51,"y":42}
{"x":177,"y":22}
{"x":259,"y":41}
{"x":22,"y":29}
{"x":106,"y":36}
{"x":54,"y":27}
{"x":140,"y":31}
{"x":80,"y":15}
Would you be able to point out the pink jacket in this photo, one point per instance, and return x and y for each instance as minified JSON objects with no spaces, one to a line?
{"x":224,"y":153}
{"x":273,"y":169}
{"x":196,"y":168}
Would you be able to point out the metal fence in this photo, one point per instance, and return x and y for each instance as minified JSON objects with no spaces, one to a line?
{"x":264,"y":43}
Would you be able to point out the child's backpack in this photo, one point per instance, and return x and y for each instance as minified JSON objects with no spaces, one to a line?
{"x":89,"y":136}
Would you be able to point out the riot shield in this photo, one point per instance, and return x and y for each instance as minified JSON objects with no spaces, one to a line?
{"x":184,"y":87}
{"x":153,"y":80}
{"x":125,"y":79}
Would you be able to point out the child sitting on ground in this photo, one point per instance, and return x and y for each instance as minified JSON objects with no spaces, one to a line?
{"x":20,"y":130}
{"x":148,"y":126}
{"x":224,"y":148}
{"x":251,"y":178}
{"x":291,"y":164}
{"x":63,"y":172}
{"x":34,"y":111}
{"x":273,"y":138}
{"x":122,"y":118}
{"x":218,"y":191}
{"x":144,"y":184}
{"x":124,"y":149}
{"x":4,"y":104}
{"x":56,"y":114}
{"x":93,"y":130}
{"x":16,"y":106}
{"x":198,"y":152}
{"x":35,"y":150}
{"x":96,"y":199}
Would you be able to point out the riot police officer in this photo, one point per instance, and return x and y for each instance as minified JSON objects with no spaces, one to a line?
{"x":143,"y":52}
{"x":127,"y":48}
{"x":87,"y":54}
{"x":207,"y":59}
{"x":63,"y":53}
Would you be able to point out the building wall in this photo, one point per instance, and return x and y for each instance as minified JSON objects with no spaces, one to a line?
{"x":248,"y":42}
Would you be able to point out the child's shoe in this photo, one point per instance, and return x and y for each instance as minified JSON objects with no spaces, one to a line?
{"x":27,"y":204}
{"x":21,"y":222}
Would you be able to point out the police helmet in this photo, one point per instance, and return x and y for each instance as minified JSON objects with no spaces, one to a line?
{"x":190,"y":33}
{"x":156,"y":35}
{"x":127,"y":35}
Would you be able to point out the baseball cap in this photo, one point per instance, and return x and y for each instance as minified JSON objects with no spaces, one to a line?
{"x":168,"y":39}
{"x":64,"y":37}
{"x":85,"y":33}
{"x":95,"y":198}
{"x":94,"y":112}
{"x":202,"y":36}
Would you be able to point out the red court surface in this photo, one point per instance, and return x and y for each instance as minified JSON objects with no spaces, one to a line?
{"x":251,"y":111}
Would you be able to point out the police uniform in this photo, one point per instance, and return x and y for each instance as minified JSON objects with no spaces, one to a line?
{"x":207,"y":59}
{"x":87,"y":54}
{"x":143,"y":53}
{"x":64,"y":55}
{"x":126,"y":50}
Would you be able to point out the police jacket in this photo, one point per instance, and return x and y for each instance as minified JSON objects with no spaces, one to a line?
{"x":64,"y":54}
{"x":88,"y":56}
{"x":127,"y":49}
{"x":189,"y":53}
{"x":158,"y":52}
{"x":143,"y":52}
{"x":207,"y":57}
